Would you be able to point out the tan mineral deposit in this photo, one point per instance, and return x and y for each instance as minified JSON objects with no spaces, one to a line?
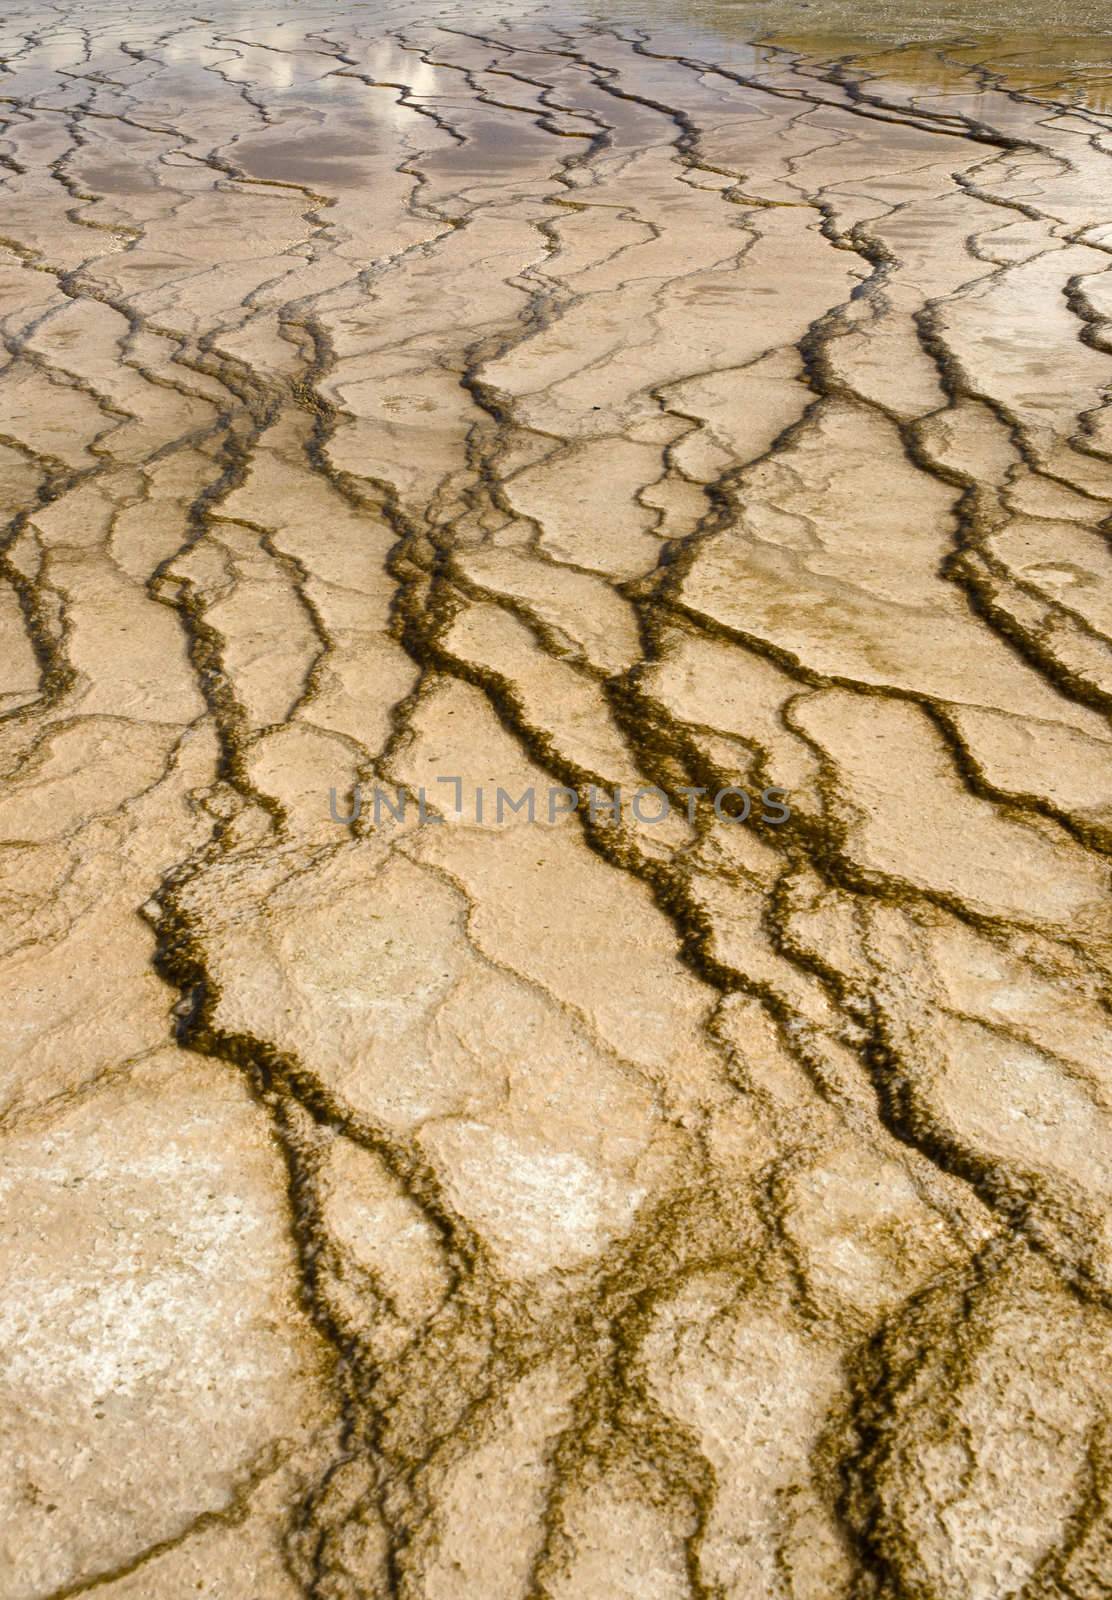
{"x":555,"y":800}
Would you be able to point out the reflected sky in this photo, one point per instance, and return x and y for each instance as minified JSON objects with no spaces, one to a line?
{"x":1059,"y":50}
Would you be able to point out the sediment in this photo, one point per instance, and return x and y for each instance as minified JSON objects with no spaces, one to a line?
{"x":445,"y":1206}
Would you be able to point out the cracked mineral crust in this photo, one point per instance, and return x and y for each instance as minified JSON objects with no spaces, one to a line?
{"x":555,"y":671}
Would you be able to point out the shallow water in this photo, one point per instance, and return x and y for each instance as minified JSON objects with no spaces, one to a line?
{"x":409,"y":417}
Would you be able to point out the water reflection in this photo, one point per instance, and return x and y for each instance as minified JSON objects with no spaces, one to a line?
{"x":938,"y":49}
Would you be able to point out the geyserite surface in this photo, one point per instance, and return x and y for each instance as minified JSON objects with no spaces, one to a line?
{"x":514,"y":1209}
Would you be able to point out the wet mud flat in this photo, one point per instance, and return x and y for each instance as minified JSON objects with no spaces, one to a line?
{"x":589,"y":1199}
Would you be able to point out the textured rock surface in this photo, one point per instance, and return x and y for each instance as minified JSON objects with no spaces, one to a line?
{"x":452,"y":1203}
